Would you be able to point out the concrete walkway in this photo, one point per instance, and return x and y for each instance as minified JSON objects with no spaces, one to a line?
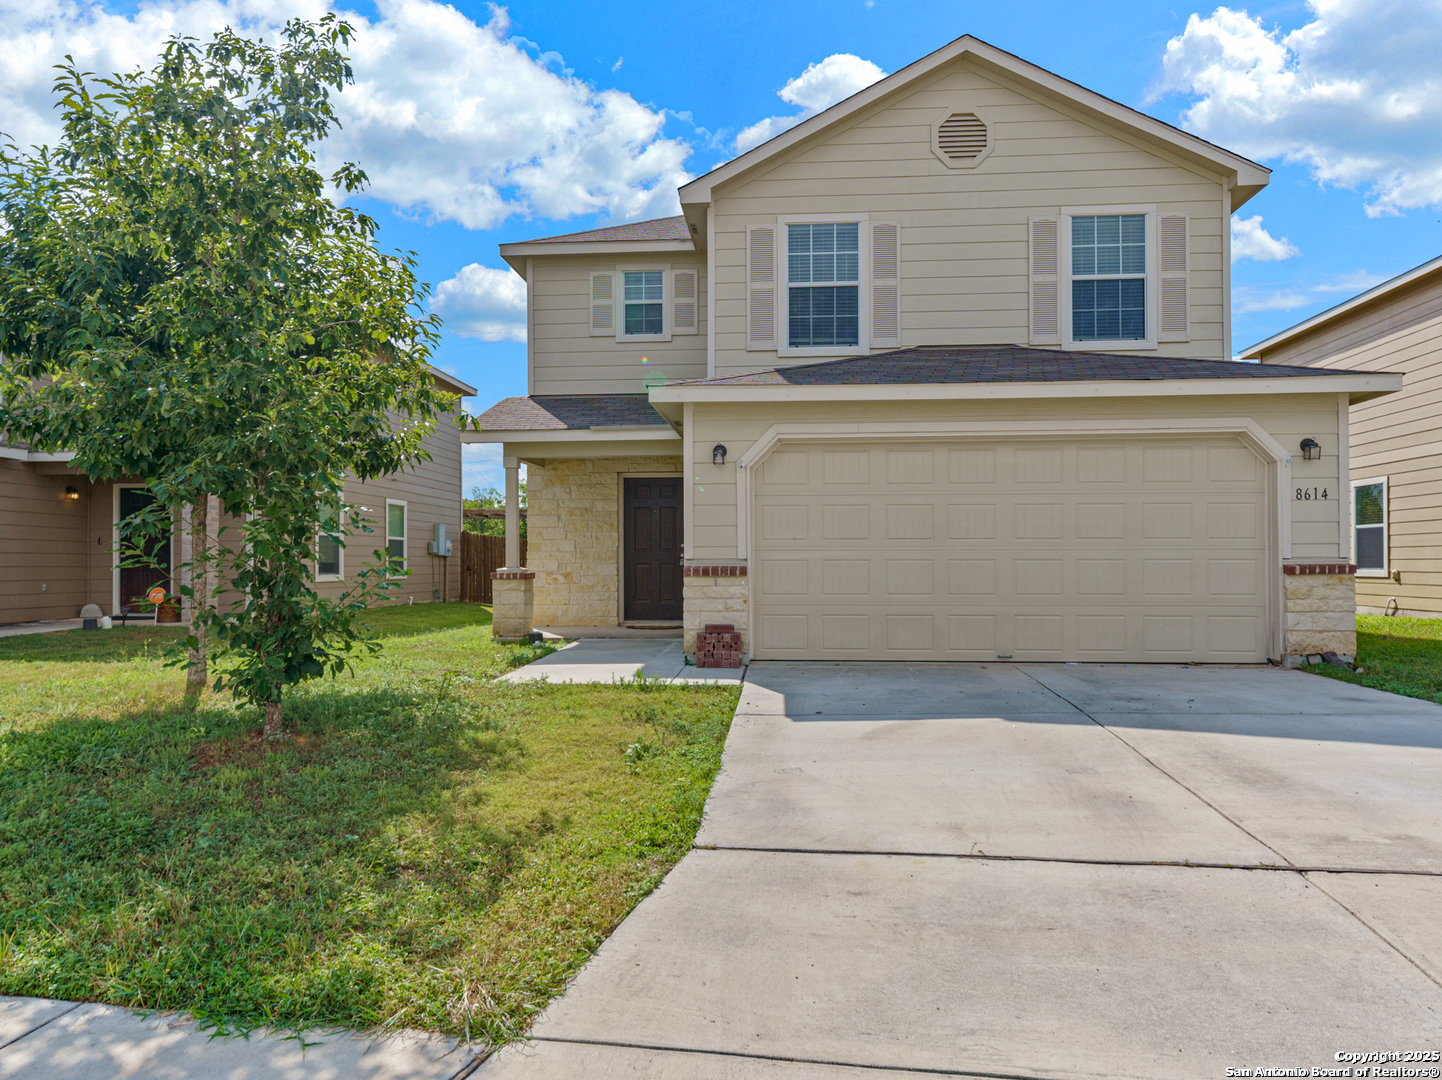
{"x":62,"y":1040}
{"x":609,"y":660}
{"x":1032,"y":872}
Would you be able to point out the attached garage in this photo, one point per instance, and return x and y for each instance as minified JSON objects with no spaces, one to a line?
{"x":1035,"y":549}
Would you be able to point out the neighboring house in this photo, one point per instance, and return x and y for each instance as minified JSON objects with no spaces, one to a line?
{"x":1395,"y":491}
{"x":58,"y":531}
{"x":941,"y":373}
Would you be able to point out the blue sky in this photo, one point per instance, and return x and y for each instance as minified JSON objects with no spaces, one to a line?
{"x":1338,"y":97}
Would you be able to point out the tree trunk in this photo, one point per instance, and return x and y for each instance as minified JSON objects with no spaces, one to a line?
{"x":274,"y":726}
{"x":196,"y":673}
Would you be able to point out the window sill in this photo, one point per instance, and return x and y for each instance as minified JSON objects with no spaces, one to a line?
{"x":825,"y":350}
{"x":1381,"y":575}
{"x":1125,"y":345}
{"x":329,"y":577}
{"x":638,"y":339}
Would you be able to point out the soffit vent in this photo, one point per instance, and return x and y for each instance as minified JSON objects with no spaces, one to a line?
{"x":962,"y":137}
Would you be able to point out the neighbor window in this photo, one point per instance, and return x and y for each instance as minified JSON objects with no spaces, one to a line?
{"x":396,"y":536}
{"x":823,"y":279}
{"x":1109,"y":277}
{"x":644,"y":296}
{"x":328,"y":543}
{"x":1369,"y":525}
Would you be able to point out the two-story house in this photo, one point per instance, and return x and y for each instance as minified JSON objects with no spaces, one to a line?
{"x":942,"y":373}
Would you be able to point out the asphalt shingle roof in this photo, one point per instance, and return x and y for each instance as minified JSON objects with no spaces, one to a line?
{"x":570,"y":412}
{"x":666,"y":228}
{"x":1004,"y":363}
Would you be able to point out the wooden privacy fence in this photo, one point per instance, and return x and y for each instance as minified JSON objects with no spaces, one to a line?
{"x":479,"y":556}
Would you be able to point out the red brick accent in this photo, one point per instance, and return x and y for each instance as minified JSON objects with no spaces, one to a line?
{"x":718,"y":646}
{"x":512,"y":575}
{"x":713,"y":571}
{"x":1319,"y":568}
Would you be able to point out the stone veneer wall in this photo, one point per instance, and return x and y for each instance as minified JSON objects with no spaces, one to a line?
{"x":1320,"y":609}
{"x":573,"y":527}
{"x":715,"y":594}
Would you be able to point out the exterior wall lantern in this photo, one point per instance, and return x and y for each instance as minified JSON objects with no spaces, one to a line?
{"x":1311,"y":450}
{"x":72,"y":493}
{"x":718,"y":455}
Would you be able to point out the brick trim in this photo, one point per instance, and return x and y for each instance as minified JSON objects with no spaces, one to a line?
{"x":713,"y":571}
{"x":512,"y":575}
{"x":1319,"y":568}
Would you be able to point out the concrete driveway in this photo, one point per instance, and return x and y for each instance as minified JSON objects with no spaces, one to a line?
{"x":1033,"y":871}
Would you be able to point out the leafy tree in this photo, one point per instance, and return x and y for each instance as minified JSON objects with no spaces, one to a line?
{"x":490,"y":499}
{"x":181,"y":301}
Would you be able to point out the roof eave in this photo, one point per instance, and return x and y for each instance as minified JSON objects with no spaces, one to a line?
{"x":600,"y":434}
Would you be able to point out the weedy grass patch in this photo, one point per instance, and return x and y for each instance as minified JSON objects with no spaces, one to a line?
{"x":429,"y":849}
{"x":1399,"y":655}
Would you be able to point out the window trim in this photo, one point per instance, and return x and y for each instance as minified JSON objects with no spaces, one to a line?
{"x":339,"y":534}
{"x":1386,"y":526}
{"x":1064,"y":280}
{"x":783,"y":285}
{"x":404,"y":539}
{"x":619,"y":294}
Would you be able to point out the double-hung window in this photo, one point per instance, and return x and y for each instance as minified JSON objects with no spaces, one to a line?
{"x":823,"y":284}
{"x":1369,"y":526}
{"x":396,"y":536}
{"x":1109,"y":277}
{"x":328,"y":544}
{"x":644,"y":299}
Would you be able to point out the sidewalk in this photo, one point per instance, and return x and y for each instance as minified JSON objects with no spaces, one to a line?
{"x":65,"y":1040}
{"x":609,"y":660}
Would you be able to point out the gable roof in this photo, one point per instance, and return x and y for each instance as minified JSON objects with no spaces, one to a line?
{"x":1249,"y":177}
{"x":666,"y":228}
{"x":1332,"y":314}
{"x":944,"y":365}
{"x":570,"y":412}
{"x":668,"y":234}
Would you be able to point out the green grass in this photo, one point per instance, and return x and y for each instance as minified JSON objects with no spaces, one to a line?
{"x":433,"y":849}
{"x":1401,"y":656}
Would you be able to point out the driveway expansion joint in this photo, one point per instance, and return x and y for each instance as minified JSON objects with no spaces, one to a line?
{"x":37,"y":1027}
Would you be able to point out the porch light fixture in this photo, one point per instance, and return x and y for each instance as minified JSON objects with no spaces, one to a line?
{"x":72,"y":492}
{"x":1311,"y":450}
{"x":718,"y":455}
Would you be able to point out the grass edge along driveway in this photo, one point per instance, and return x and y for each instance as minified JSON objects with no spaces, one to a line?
{"x":1399,"y":655}
{"x":432,"y":850}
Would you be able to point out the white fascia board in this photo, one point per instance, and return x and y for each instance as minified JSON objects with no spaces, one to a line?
{"x":647,"y":433}
{"x":17,"y":453}
{"x":1248,"y":176}
{"x":451,"y":382}
{"x":1366,"y":385}
{"x":1376,"y":292}
{"x":515,"y":254}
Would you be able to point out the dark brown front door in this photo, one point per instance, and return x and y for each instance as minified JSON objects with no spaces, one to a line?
{"x":136,"y":581}
{"x":653,"y":549}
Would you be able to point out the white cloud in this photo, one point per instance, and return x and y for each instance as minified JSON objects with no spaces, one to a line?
{"x":1246,"y":301}
{"x":449,"y":117}
{"x":817,"y":88}
{"x":483,"y":302}
{"x":1251,"y":241}
{"x":1355,"y":94}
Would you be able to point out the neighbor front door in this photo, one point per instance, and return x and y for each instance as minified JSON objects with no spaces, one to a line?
{"x":652,"y":549}
{"x":136,"y":581}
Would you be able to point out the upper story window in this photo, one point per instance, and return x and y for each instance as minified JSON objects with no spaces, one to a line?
{"x":644,"y":297}
{"x":823,"y":284}
{"x":1109,"y":277}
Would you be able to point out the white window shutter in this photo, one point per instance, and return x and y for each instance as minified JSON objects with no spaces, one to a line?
{"x":885,"y":285}
{"x":1044,"y":310}
{"x":603,"y":304}
{"x":761,"y":287}
{"x":684,"y":300}
{"x":1173,"y":290}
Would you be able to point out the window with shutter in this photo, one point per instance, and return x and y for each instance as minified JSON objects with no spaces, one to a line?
{"x":1044,"y":307}
{"x":603,"y":304}
{"x":1173,"y":293}
{"x":684,"y":319}
{"x":885,"y":284}
{"x":761,"y":287}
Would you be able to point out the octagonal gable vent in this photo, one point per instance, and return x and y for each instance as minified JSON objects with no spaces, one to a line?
{"x":962,"y":137}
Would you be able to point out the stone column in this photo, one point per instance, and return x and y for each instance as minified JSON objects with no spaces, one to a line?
{"x":513,"y":604}
{"x":1320,"y":611}
{"x":715,"y":594}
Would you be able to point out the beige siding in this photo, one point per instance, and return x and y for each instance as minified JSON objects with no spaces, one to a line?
{"x":564,"y":357}
{"x":44,"y":555}
{"x":1395,"y":436}
{"x":711,"y":526}
{"x":964,"y":252}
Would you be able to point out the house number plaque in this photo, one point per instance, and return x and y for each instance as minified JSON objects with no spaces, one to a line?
{"x":1308,"y":494}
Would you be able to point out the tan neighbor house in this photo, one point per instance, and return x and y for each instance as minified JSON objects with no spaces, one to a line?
{"x":1395,"y":489}
{"x":941,"y":373}
{"x":58,"y":531}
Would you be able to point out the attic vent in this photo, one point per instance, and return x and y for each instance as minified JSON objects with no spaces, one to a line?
{"x":962,"y":137}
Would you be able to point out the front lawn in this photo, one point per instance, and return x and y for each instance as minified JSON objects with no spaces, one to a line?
{"x":433,"y":849}
{"x":1402,"y":656}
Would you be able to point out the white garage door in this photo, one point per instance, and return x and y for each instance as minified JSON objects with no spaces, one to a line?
{"x":1037,"y":550}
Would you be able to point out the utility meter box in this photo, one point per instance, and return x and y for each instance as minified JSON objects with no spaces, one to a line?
{"x":440,"y":545}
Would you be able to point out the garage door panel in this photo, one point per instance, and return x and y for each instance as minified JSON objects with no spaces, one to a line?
{"x":1142,"y":550}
